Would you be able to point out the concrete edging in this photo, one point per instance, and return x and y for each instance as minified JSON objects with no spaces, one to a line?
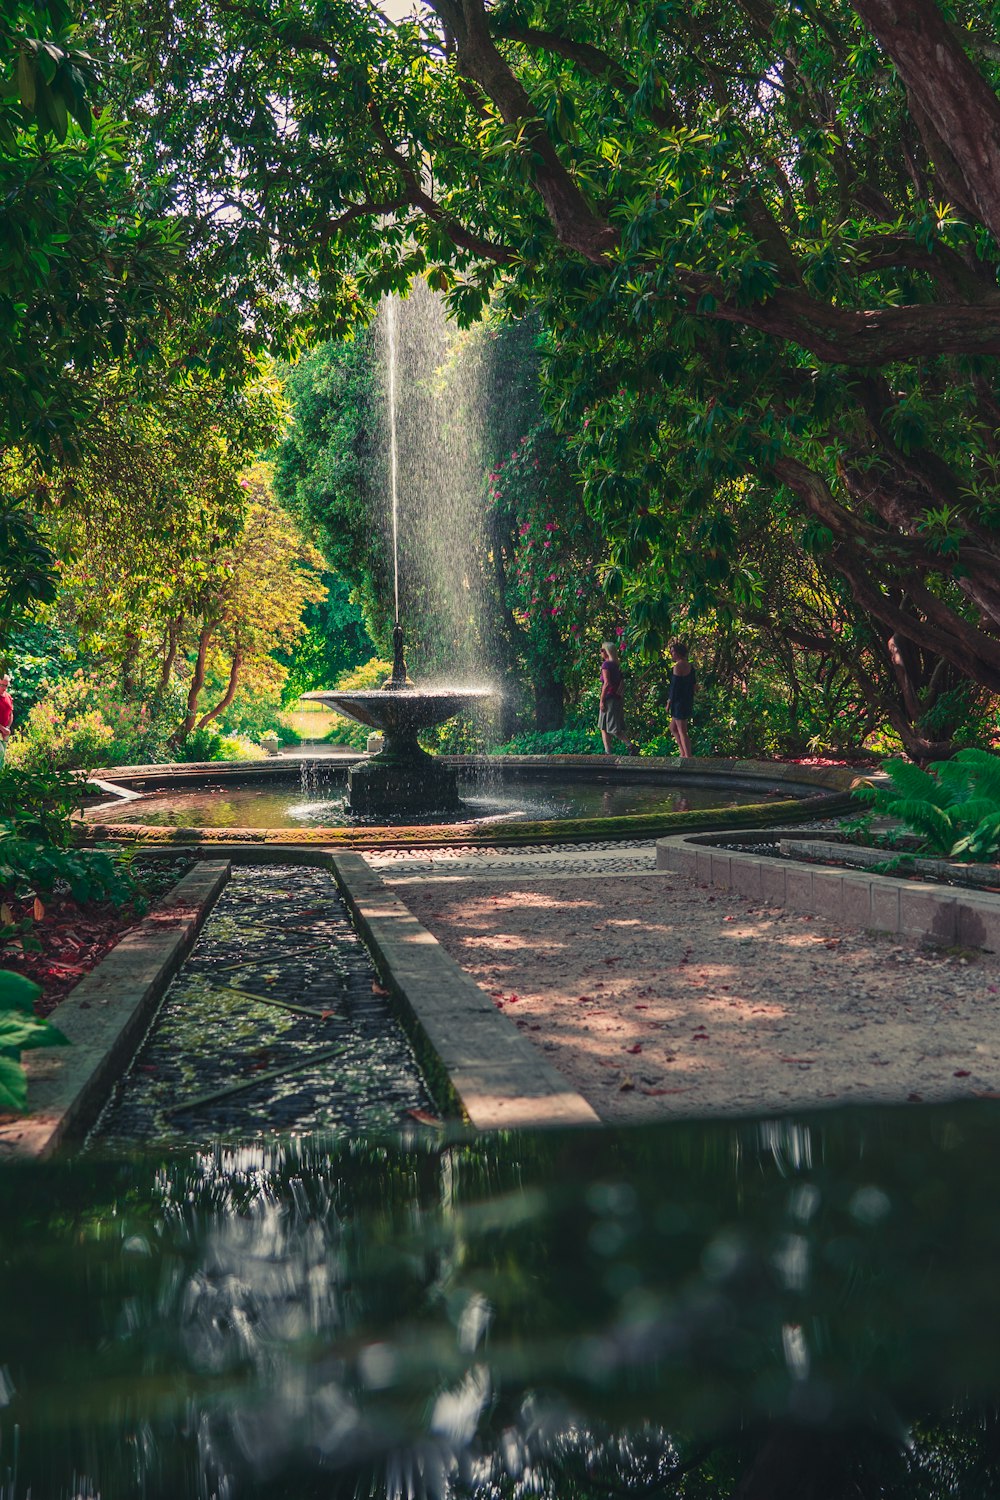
{"x":941,"y":915}
{"x":105,"y":1016}
{"x":497,"y":1077}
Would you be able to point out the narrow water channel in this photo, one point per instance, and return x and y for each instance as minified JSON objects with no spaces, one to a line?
{"x":276,"y":1022}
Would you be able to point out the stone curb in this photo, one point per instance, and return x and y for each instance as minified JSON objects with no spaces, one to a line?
{"x":939,"y":915}
{"x":499,"y":1079}
{"x":105,"y":1016}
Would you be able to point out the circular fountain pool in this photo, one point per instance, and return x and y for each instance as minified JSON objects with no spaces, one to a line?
{"x":510,"y":799}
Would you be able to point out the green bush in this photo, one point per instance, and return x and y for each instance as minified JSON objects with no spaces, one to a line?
{"x":20,"y":1030}
{"x":953,"y":806}
{"x":37,"y":804}
{"x":209,"y":744}
{"x":572,"y":739}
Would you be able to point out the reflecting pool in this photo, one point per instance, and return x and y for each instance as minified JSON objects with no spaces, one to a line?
{"x":806,"y":1306}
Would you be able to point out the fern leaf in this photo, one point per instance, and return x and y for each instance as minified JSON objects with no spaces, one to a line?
{"x":984,"y":840}
{"x":915,"y":785}
{"x":933,"y":822}
{"x":968,"y":813}
{"x":984,"y":773}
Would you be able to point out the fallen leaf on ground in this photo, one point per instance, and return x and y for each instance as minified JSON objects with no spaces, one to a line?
{"x":425,"y":1117}
{"x":626,"y":1086}
{"x":961,"y":1073}
{"x":655,"y":1093}
{"x":635,"y":1049}
{"x":378,"y":989}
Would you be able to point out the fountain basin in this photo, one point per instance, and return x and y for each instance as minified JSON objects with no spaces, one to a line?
{"x":402,"y":780}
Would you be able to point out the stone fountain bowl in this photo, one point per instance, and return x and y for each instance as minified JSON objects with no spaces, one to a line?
{"x":405,"y":711}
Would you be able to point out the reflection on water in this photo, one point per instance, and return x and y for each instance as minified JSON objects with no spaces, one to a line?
{"x":323,"y":803}
{"x":796,"y":1307}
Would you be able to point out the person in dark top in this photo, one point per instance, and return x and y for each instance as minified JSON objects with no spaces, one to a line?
{"x":611,"y":719}
{"x":682,"y":685}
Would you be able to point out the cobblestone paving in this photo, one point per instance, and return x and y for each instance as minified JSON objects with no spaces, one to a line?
{"x":277,"y":979}
{"x":401,"y":866}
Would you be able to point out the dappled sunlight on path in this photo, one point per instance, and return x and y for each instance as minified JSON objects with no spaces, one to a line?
{"x":655,"y":996}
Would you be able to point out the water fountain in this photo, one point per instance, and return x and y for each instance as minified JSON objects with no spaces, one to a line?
{"x":402,"y":779}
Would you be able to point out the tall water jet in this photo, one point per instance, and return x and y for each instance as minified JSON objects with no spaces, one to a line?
{"x":390,"y":323}
{"x":402,"y":779}
{"x":435,"y":501}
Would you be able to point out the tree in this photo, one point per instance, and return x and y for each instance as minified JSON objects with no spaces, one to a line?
{"x":776,"y":245}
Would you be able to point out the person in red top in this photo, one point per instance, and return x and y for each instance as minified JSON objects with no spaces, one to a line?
{"x":611,"y":717}
{"x":6,"y":712}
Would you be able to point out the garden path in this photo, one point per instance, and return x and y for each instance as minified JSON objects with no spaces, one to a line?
{"x":655,"y":996}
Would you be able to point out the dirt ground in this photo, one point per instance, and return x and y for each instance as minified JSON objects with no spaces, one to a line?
{"x":655,"y":996}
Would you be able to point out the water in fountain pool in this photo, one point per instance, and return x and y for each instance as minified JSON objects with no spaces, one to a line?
{"x":318,"y":801}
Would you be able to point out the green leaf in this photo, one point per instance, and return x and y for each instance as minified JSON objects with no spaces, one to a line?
{"x":13,"y":1085}
{"x":16,"y":992}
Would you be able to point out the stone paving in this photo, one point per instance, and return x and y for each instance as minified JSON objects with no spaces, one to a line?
{"x":277,"y":979}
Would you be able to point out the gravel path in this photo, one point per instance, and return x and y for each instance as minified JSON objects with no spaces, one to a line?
{"x":655,"y":996}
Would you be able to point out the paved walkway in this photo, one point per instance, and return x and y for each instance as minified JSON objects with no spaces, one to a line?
{"x":655,"y":996}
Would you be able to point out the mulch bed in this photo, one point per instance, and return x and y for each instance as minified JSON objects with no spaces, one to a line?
{"x":74,"y":938}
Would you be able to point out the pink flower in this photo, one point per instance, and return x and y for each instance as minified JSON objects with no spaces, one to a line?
{"x":551,"y":578}
{"x":546,"y":544}
{"x":524,"y":529}
{"x":554,"y":610}
{"x":551,"y":526}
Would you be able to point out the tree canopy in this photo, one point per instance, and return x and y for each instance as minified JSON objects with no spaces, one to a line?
{"x":762,"y":236}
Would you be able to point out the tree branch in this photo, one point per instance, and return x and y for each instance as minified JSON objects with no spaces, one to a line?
{"x":593,"y":61}
{"x":577,"y":225}
{"x":950,"y":93}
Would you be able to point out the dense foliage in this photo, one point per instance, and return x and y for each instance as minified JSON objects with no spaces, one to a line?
{"x":761,"y":236}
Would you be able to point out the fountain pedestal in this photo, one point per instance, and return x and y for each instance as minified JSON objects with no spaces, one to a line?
{"x":401,"y":781}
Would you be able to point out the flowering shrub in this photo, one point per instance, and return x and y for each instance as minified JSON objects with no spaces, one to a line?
{"x":83,"y":723}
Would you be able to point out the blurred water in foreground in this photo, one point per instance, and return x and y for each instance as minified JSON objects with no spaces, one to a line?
{"x":805,"y":1306}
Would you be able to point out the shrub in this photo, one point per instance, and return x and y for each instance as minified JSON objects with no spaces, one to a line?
{"x":37,"y":804}
{"x":954,"y":806}
{"x":84,"y":723}
{"x":209,"y":744}
{"x":572,"y":739}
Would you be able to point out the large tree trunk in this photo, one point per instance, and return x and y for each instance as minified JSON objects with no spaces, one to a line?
{"x":228,"y":695}
{"x":956,"y":110}
{"x":183,"y":729}
{"x":550,"y":700}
